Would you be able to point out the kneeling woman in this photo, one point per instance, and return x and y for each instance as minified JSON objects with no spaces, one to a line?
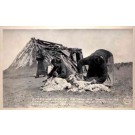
{"x":100,"y":67}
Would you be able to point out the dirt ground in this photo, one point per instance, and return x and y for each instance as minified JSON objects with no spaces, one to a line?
{"x":23,"y":91}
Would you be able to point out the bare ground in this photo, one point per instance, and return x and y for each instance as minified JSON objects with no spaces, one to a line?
{"x":23,"y":91}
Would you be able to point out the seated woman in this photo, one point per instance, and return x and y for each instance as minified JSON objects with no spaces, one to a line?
{"x":59,"y":70}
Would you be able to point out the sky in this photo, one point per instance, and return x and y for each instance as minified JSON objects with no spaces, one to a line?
{"x":117,"y":41}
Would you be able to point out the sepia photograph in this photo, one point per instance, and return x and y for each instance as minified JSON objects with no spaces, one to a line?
{"x":68,"y":68}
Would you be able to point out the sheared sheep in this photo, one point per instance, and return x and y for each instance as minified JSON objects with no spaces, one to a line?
{"x":84,"y":85}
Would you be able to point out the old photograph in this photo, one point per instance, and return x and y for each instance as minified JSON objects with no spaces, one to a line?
{"x":68,"y":68}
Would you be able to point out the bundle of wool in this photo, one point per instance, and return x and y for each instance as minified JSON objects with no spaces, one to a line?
{"x":84,"y":85}
{"x":58,"y":84}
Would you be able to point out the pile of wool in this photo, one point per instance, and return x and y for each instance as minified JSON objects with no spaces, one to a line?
{"x":73,"y":83}
{"x":81,"y":85}
{"x":53,"y":84}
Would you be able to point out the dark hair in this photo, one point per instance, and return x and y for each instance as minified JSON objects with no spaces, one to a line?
{"x":55,"y":60}
{"x":99,"y":60}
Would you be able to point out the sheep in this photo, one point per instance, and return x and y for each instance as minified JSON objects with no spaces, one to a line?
{"x":84,"y":85}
